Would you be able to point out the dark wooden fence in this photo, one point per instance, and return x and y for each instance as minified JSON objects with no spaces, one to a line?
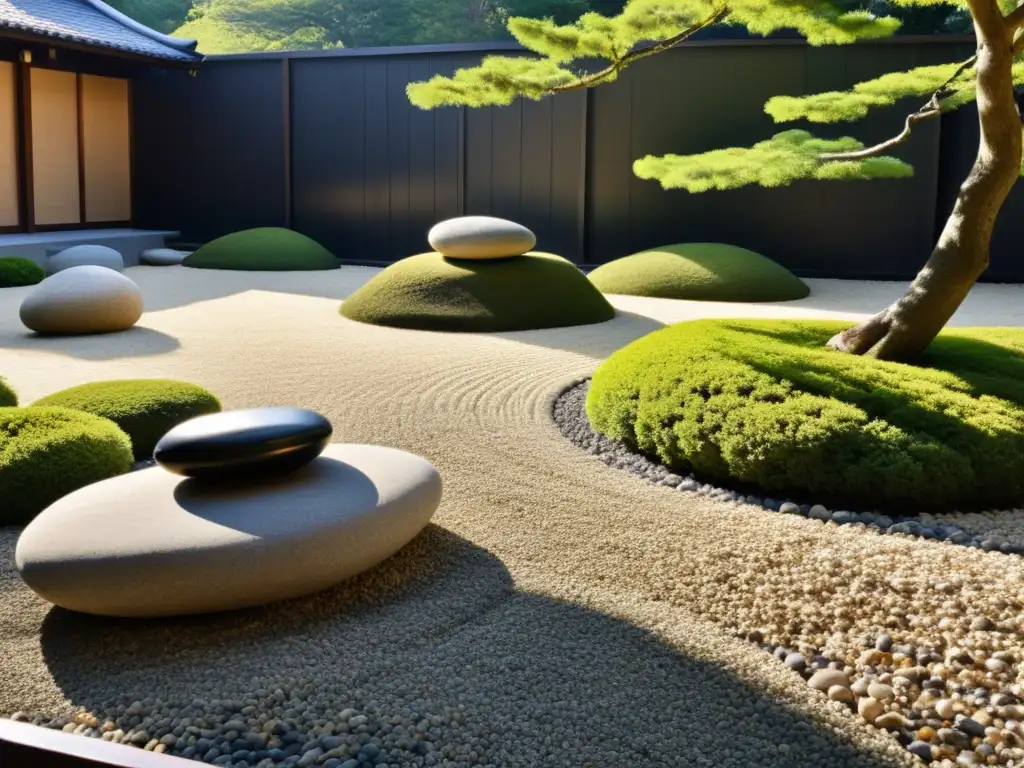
{"x":327,"y":143}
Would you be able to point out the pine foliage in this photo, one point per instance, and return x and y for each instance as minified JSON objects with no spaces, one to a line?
{"x":564,"y":56}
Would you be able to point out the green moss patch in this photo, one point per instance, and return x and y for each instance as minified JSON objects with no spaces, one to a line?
{"x":146,"y":409}
{"x":430,"y":292}
{"x":46,"y":453}
{"x":16,"y":272}
{"x":765,"y":405}
{"x":699,"y":272}
{"x":267,"y":249}
{"x":8,"y":397}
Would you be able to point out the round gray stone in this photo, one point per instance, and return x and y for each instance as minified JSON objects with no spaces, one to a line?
{"x":151,"y":543}
{"x":82,"y":300}
{"x":480,"y":237}
{"x":162,"y":257}
{"x":85,"y":255}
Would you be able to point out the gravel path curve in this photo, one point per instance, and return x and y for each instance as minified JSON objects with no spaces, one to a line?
{"x":558,"y":613}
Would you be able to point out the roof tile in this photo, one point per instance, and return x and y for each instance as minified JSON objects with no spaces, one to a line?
{"x":82,"y":21}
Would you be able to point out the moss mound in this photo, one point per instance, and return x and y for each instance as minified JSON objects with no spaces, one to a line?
{"x":764,"y":404}
{"x":267,"y":249}
{"x":15,"y":272}
{"x":8,"y":397}
{"x":146,"y":409}
{"x":46,"y":453}
{"x":430,"y":292}
{"x":700,"y":272}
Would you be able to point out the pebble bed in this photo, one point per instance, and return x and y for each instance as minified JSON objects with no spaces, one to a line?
{"x":956,"y":702}
{"x":997,"y":530}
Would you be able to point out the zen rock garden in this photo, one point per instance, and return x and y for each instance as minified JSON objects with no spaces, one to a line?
{"x":260,"y":503}
{"x":335,"y":608}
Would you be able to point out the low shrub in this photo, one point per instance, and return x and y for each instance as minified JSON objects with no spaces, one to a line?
{"x":266,"y":249}
{"x":146,"y":409}
{"x":766,"y":405}
{"x":430,"y":292}
{"x":699,"y":272}
{"x":8,"y":397}
{"x":16,"y":272}
{"x":46,"y":453}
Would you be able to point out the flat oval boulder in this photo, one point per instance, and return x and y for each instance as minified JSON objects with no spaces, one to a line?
{"x":244,"y":442}
{"x":480,"y":237}
{"x":162,"y":257}
{"x":82,"y":300}
{"x":83,"y":256}
{"x":151,"y":543}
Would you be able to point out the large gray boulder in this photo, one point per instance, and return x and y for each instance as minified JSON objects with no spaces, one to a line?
{"x":151,"y":543}
{"x":85,"y":255}
{"x":82,"y":300}
{"x":480,"y":237}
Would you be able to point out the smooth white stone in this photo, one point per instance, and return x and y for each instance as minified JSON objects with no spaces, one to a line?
{"x":151,"y":543}
{"x":82,"y":300}
{"x":480,"y":237}
{"x":85,"y":255}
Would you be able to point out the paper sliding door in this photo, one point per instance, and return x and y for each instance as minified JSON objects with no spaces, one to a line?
{"x":9,"y":207}
{"x":106,"y":149}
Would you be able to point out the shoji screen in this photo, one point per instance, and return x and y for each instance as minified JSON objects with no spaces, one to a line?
{"x":106,"y":149}
{"x":8,"y":146}
{"x":55,"y":146}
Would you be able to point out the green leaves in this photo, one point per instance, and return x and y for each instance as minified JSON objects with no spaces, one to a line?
{"x":820,"y":21}
{"x":884,"y":91}
{"x":777,"y":162}
{"x":497,"y":81}
{"x":837,"y":106}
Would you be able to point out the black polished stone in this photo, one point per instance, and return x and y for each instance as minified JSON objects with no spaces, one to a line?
{"x":242,"y":443}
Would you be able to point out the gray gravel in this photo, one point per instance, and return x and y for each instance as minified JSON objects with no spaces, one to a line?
{"x":1000,"y":530}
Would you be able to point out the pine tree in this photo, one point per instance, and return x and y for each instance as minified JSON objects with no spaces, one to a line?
{"x":647,"y":27}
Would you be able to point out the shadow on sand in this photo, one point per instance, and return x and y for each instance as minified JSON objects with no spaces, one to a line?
{"x":443,"y":624}
{"x":135,"y":342}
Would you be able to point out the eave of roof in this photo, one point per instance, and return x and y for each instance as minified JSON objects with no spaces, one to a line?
{"x":93,"y":24}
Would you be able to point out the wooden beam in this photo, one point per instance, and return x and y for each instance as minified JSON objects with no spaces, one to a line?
{"x":22,"y":744}
{"x":26,"y":183}
{"x":80,"y":110}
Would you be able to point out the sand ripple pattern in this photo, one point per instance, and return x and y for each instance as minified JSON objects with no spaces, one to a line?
{"x":557,"y":613}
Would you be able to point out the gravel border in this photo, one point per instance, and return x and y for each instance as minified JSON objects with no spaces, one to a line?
{"x":571,"y":417}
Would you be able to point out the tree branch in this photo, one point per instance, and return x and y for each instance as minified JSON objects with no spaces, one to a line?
{"x":596,"y":78}
{"x":1015,"y":18}
{"x":933,"y":108}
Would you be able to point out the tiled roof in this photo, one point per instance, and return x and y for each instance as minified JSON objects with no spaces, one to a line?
{"x":92,"y":22}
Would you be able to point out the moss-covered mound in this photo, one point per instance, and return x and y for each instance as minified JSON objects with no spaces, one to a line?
{"x":146,"y":409}
{"x":765,"y":405}
{"x":46,"y":453}
{"x":700,"y":272}
{"x":15,"y":272}
{"x":267,"y":249}
{"x":430,"y":292}
{"x":8,"y":397}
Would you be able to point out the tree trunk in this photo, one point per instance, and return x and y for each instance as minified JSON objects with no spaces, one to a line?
{"x":903,"y":330}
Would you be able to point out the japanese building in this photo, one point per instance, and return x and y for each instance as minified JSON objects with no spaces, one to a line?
{"x":66,"y":70}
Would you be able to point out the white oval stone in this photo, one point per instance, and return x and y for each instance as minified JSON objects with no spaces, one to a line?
{"x":82,"y":300}
{"x":151,"y":543}
{"x":85,"y":255}
{"x":480,"y":237}
{"x":162,"y":257}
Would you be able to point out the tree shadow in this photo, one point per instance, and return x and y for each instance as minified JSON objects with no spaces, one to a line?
{"x":442,"y":628}
{"x":597,"y":341}
{"x":137,"y":341}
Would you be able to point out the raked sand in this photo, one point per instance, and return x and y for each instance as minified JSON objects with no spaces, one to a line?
{"x":558,"y":613}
